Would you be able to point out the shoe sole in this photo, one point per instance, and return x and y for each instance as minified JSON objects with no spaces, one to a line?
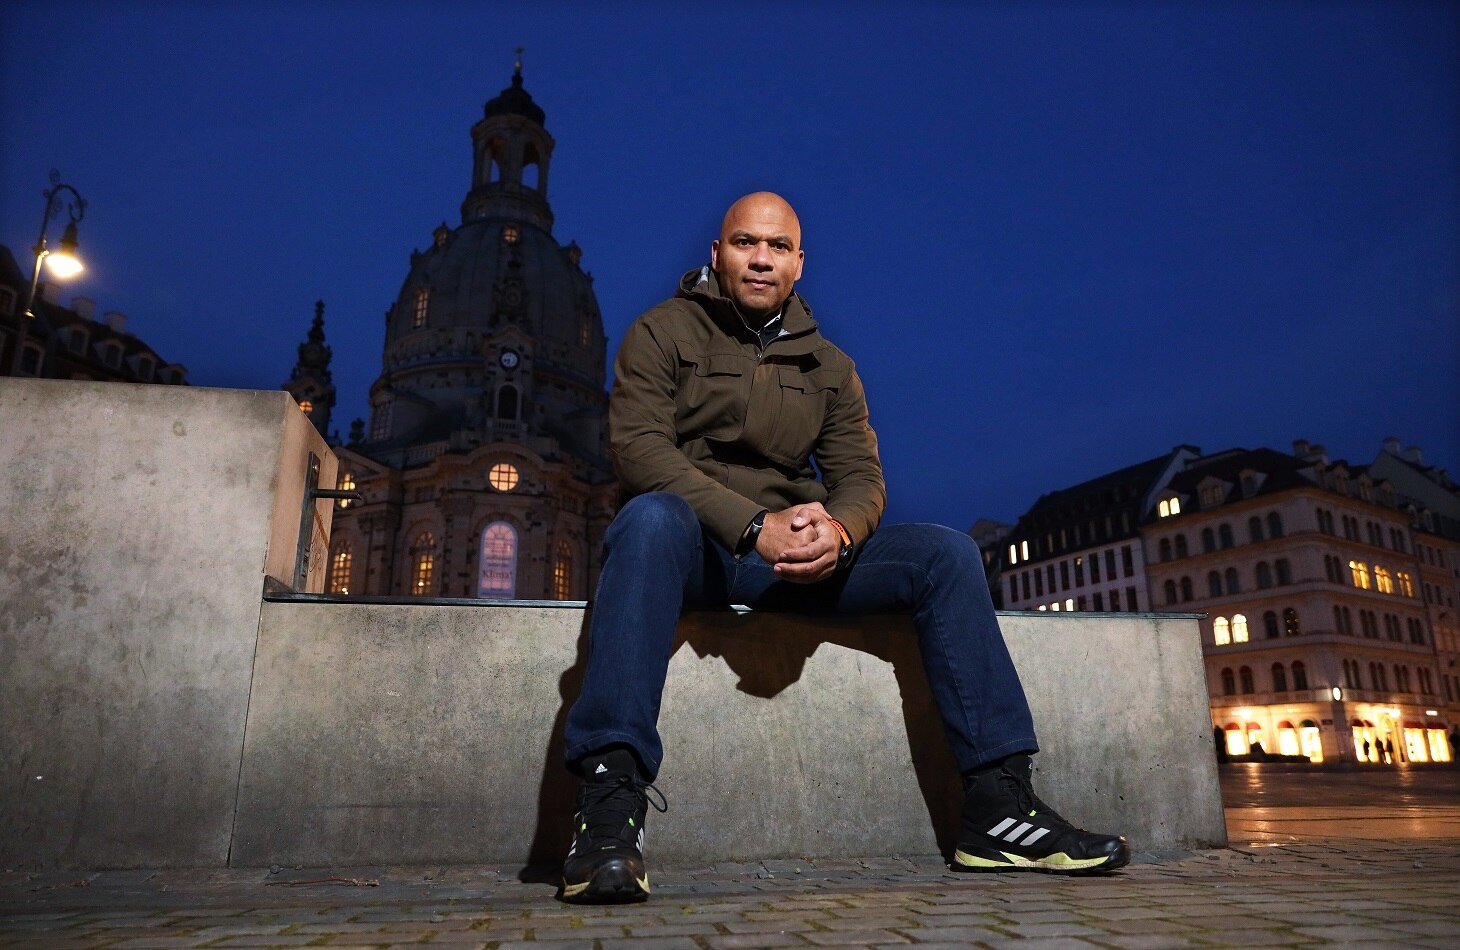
{"x":1057,"y":863}
{"x":612,"y":883}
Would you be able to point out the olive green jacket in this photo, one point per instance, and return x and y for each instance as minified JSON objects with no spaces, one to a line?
{"x":699,"y":410}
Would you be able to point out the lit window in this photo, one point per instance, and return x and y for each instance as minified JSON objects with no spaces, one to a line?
{"x":503,"y":476}
{"x":423,"y":560}
{"x":497,"y":576}
{"x":1239,"y":628}
{"x":423,"y":298}
{"x":509,"y":234}
{"x":563,"y":572}
{"x":1360,"y":572}
{"x":1164,"y":509}
{"x":1221,"y":631}
{"x":1013,"y":554}
{"x":306,"y":406}
{"x":584,"y":331}
{"x":1290,"y":622}
{"x":1405,"y":583}
{"x":339,"y":581}
{"x":1024,"y":550}
{"x":1070,"y":604}
{"x":1382,"y":580}
{"x":347,"y":483}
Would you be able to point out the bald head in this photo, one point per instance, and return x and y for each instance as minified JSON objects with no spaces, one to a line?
{"x":763,"y":206}
{"x":758,"y":255}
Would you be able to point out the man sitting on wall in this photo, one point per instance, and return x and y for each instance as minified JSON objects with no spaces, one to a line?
{"x":726,"y":403}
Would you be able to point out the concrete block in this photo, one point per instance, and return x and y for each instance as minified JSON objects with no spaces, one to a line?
{"x":139,"y":522}
{"x":384,"y":734}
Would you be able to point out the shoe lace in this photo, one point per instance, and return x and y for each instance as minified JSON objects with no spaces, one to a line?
{"x":606,"y":808}
{"x":1029,"y":803}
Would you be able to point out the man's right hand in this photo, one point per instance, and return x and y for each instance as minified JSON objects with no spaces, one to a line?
{"x":800,"y":544}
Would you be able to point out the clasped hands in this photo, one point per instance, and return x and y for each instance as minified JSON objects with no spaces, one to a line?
{"x":800,"y":544}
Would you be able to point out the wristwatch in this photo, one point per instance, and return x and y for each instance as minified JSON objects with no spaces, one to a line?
{"x":844,"y":553}
{"x":751,"y":535}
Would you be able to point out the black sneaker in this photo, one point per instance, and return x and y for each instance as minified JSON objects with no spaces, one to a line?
{"x":1006,"y":827}
{"x":605,"y":865}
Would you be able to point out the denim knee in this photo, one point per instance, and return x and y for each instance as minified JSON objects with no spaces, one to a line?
{"x":661,"y":517}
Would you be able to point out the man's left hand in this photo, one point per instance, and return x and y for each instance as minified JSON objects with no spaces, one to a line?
{"x":814,"y":555}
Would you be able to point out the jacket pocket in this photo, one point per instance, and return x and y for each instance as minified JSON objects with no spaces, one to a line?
{"x":710,"y":401}
{"x":806,"y":397}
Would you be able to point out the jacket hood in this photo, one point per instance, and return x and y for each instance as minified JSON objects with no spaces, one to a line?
{"x":703,"y":286}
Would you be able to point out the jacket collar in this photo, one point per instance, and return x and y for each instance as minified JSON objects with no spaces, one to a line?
{"x":703,"y":287}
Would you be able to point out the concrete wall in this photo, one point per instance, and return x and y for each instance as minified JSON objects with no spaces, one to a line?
{"x":426,"y":734}
{"x":138,"y":525}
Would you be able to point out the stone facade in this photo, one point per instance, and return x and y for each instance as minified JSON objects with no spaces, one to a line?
{"x":1328,"y":588}
{"x":484,"y":468}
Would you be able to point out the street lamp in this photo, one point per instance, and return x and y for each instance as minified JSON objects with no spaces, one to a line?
{"x":63,"y":261}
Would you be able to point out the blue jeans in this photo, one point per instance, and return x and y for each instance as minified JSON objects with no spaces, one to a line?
{"x":659,"y":561}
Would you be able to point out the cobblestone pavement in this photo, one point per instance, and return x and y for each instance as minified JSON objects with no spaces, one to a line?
{"x":1268,"y":895}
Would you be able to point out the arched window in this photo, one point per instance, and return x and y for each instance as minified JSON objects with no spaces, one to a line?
{"x":1221,"y":631}
{"x":1233,"y":587}
{"x":1351,"y":674}
{"x":1181,"y":550}
{"x":1214,"y":584}
{"x":1165,"y":549}
{"x":563,"y":571}
{"x":423,"y":564}
{"x":423,"y":302}
{"x":1275,"y":525}
{"x":1170,"y":590}
{"x":497,"y":565}
{"x":1284,"y":571}
{"x":1270,"y":625}
{"x":340,"y":559}
{"x":1244,"y":675}
{"x":1254,"y":529}
{"x":1264,"y":576}
{"x":1360,"y":572}
{"x":1208,"y":541}
{"x":496,"y":152}
{"x":1224,"y":533}
{"x":507,"y":402}
{"x":1229,"y":682}
{"x":1186,"y":593}
{"x":1279,"y":678}
{"x":1290,"y":622}
{"x":1239,"y":628}
{"x":1300,"y":675}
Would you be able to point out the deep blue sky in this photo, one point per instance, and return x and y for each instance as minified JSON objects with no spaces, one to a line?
{"x":1058,"y":238}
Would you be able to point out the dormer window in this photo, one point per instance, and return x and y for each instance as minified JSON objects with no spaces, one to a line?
{"x":1169,"y":507}
{"x":111,"y":354}
{"x":510,"y":235}
{"x":423,"y":300}
{"x":1212,"y":495}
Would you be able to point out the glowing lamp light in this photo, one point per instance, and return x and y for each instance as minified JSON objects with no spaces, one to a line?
{"x":63,"y":261}
{"x":1337,"y":693}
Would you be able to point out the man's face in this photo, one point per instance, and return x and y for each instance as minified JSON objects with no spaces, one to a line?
{"x":758,"y":256}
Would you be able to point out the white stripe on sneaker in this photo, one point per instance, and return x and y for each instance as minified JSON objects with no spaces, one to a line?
{"x":1038,"y":833}
{"x":1023,"y":827}
{"x":998,"y":829}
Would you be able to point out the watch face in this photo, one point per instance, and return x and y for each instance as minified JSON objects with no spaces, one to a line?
{"x":509,"y":359}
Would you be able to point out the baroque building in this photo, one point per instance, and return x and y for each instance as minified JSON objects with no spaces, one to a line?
{"x":483,"y":469}
{"x":1327,"y":589}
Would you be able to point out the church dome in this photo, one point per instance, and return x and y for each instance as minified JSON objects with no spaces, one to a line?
{"x":496,"y":333}
{"x":514,"y":100}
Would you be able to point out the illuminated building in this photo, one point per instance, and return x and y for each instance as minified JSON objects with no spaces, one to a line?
{"x":1328,"y":589}
{"x":483,"y":467}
